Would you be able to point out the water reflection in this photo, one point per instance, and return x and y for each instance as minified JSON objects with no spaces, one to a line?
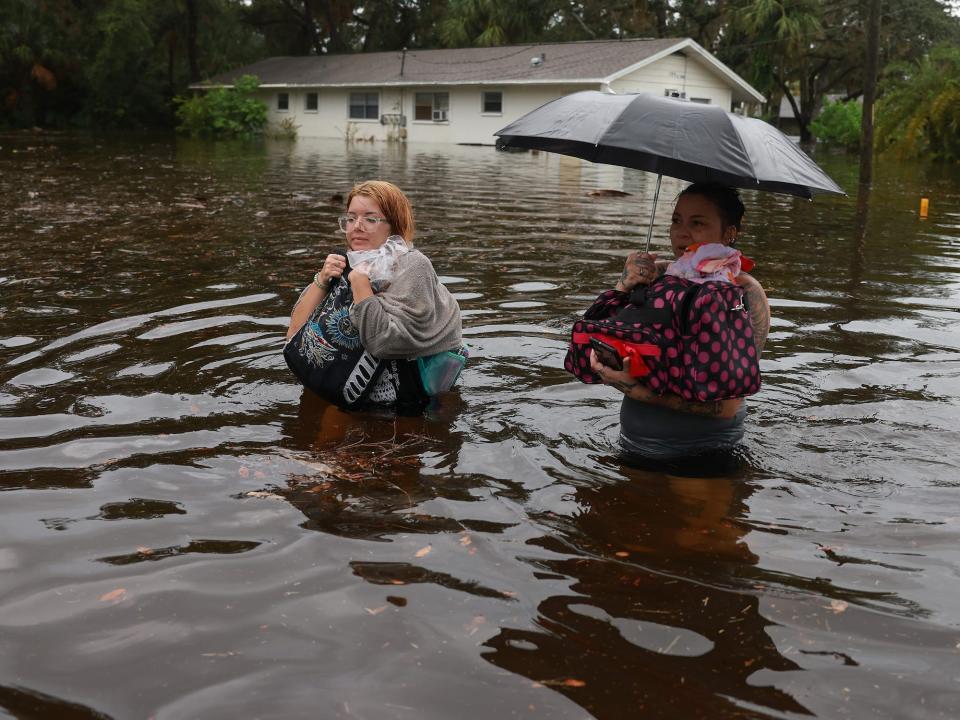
{"x":662,"y":616}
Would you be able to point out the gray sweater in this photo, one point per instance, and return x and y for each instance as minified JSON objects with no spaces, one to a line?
{"x":414,"y":317}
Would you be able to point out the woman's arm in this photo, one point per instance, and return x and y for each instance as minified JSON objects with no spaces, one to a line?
{"x":309,"y":299}
{"x":415,"y":316}
{"x":315,"y":292}
{"x":633,"y":388}
{"x":759,"y":309}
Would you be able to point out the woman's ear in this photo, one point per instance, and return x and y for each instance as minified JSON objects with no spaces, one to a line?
{"x":730,"y":235}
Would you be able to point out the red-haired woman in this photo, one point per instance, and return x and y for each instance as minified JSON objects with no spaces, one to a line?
{"x":356,"y":344}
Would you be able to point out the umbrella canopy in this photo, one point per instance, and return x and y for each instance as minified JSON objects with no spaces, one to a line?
{"x":680,"y":139}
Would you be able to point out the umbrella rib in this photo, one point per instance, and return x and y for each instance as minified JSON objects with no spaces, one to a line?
{"x":743,"y":149}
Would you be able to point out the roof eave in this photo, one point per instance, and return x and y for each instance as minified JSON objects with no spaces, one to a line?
{"x":415,"y":83}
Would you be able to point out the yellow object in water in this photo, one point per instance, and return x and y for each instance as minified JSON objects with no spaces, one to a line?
{"x":924,"y":206}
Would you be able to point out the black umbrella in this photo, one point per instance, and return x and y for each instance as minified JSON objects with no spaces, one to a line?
{"x":686,"y":140}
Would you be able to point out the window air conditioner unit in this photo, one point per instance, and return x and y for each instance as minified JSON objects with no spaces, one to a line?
{"x":439,"y":115}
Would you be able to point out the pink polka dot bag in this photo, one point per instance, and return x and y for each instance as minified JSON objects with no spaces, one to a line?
{"x":690,"y":339}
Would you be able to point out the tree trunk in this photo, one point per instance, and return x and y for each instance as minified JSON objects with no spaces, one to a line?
{"x":869,"y":93}
{"x":192,"y":52}
{"x":793,"y":106}
{"x":171,"y":82}
{"x":660,"y":8}
{"x":811,"y":100}
{"x":333,"y":29}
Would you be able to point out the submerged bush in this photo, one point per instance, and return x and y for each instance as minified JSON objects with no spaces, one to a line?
{"x":223,"y":112}
{"x":838,"y":124}
{"x":286,"y":129}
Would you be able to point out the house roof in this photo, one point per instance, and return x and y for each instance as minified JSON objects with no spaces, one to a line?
{"x":594,"y":61}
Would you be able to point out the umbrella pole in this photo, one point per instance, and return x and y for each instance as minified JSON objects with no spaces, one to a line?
{"x":656,"y":196}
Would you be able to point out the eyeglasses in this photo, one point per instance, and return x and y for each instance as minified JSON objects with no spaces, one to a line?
{"x":348,"y":222}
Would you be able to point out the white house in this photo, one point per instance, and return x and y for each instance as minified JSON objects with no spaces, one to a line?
{"x":465,"y":95}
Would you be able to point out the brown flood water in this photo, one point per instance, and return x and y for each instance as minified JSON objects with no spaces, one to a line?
{"x":185,"y":534}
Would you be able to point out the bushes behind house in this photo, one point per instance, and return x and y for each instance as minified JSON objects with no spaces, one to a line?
{"x":838,"y":124}
{"x":223,"y":112}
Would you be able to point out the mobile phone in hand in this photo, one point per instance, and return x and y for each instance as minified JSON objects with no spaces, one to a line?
{"x":606,"y":354}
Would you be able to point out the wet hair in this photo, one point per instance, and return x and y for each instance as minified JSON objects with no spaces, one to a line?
{"x":727,"y":200}
{"x":393,"y":204}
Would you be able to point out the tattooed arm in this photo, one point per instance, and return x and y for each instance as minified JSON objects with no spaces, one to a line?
{"x":759,"y":309}
{"x":639,"y":269}
{"x":633,"y":388}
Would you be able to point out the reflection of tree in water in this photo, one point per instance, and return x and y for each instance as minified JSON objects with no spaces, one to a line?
{"x":371,"y":479}
{"x":663,"y":620}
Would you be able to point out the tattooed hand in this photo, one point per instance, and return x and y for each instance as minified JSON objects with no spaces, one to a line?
{"x":639,"y":269}
{"x":621,"y":379}
{"x":634,"y":389}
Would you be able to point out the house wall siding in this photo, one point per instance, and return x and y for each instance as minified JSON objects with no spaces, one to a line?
{"x":466,"y":124}
{"x":677,"y":72}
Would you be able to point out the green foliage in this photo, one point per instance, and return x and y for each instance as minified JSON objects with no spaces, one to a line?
{"x":919,"y":113}
{"x":486,"y":23}
{"x":121,"y":62}
{"x":42,"y":50}
{"x":112,"y":62}
{"x":125,"y":86}
{"x":223,"y":112}
{"x":838,"y":124}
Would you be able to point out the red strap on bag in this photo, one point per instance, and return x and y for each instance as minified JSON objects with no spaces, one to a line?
{"x":633,"y":351}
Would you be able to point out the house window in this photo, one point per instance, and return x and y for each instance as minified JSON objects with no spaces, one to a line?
{"x":431,"y":106}
{"x":702,"y":101}
{"x":493,"y":103}
{"x":670,"y":92}
{"x":283,"y":102}
{"x":364,"y":106}
{"x":311,"y":102}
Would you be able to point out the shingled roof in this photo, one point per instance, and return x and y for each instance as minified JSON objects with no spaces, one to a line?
{"x":588,"y":61}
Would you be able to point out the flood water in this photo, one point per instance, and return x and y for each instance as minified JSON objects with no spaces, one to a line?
{"x":184,"y":533}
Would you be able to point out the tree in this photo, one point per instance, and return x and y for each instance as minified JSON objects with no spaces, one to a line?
{"x":815,"y":47}
{"x":488,"y":23}
{"x":113,"y":62}
{"x":773,"y":42}
{"x":300,"y":27}
{"x":126,"y":84}
{"x":919,"y":113}
{"x":43,"y":52}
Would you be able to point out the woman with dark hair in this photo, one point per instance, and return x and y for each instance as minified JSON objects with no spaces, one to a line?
{"x":356,"y":336}
{"x":668,"y":425}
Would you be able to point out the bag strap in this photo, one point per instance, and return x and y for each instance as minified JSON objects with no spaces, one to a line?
{"x":362,"y":379}
{"x":645,"y":315}
{"x":641,"y":312}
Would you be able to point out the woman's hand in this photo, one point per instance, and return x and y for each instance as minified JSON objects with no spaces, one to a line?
{"x":333,"y":267}
{"x":634,"y":389}
{"x":360,"y":285}
{"x":622,"y":380}
{"x":639,"y":269}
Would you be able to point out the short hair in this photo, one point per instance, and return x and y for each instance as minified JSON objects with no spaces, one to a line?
{"x":726,"y":198}
{"x":393,"y":204}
